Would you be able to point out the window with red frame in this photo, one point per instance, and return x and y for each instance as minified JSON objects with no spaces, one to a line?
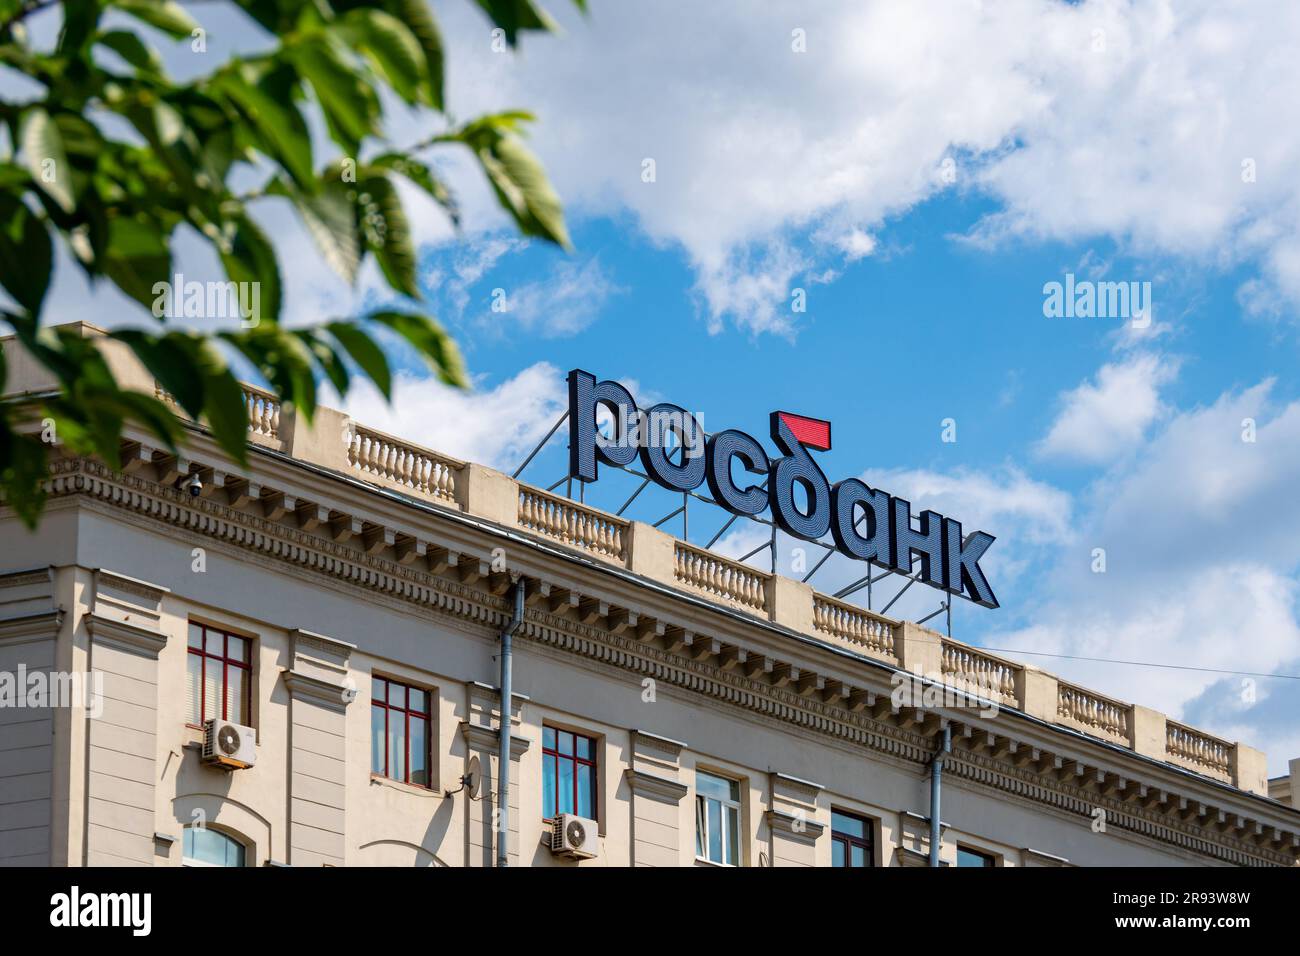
{"x":399,"y":732}
{"x":568,"y":774}
{"x":220,"y":675}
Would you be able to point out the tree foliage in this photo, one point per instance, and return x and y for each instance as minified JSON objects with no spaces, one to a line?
{"x":111,"y":156}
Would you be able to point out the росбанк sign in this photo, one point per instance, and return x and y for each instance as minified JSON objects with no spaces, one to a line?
{"x":866,"y":523}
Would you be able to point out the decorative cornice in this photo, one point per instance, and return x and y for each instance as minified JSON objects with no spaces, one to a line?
{"x":19,"y":579}
{"x":660,"y":788}
{"x":313,"y":690}
{"x":150,"y":592}
{"x":805,"y":789}
{"x":476,"y":609}
{"x":669,"y":748}
{"x":793,"y":825}
{"x":488,"y":739}
{"x":127,"y":637}
{"x":24,"y":628}
{"x":1045,"y":859}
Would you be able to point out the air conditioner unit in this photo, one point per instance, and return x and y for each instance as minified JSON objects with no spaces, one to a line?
{"x":229,"y":746}
{"x":574,"y":837}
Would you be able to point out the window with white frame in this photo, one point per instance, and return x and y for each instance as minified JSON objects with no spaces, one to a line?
{"x":717,"y":819}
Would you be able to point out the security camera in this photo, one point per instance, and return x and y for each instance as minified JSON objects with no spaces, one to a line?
{"x":194,"y":485}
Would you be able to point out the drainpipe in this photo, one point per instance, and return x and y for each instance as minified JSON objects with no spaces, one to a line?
{"x":936,"y":775}
{"x":503,"y":751}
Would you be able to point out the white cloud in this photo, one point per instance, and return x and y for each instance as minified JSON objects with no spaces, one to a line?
{"x":496,"y":426}
{"x":1101,"y":420}
{"x":1199,"y":565}
{"x":1105,"y":118}
{"x":564,"y":303}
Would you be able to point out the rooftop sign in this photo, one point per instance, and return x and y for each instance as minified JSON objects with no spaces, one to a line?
{"x":867,"y":524}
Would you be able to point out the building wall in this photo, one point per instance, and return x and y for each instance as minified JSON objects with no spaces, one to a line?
{"x":128,"y":593}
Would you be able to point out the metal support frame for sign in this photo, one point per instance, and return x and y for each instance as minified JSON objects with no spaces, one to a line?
{"x":866,"y":581}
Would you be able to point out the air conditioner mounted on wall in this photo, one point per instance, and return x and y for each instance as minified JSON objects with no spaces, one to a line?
{"x":229,"y":746}
{"x":574,"y":837}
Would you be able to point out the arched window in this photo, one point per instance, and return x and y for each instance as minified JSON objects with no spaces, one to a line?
{"x":205,"y":847}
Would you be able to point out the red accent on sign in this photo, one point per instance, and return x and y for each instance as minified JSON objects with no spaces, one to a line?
{"x":811,"y":432}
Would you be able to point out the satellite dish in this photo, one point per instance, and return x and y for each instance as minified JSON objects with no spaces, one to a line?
{"x":473,"y":779}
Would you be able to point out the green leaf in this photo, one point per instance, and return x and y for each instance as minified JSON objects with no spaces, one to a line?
{"x":363,"y":350}
{"x":79,"y":21}
{"x":133,"y":50}
{"x":251,"y":258}
{"x":281,"y":127}
{"x":415,"y":14}
{"x":349,"y":103}
{"x":516,"y":176}
{"x":515,"y":16}
{"x":327,"y":357}
{"x":432,"y":342}
{"x":147,"y":410}
{"x":393,"y":48}
{"x":26,"y":254}
{"x":170,"y":359}
{"x":137,"y":257}
{"x":166,"y":15}
{"x":225,"y":410}
{"x":422,"y":176}
{"x":283,"y":359}
{"x":22,"y":473}
{"x":331,"y":220}
{"x":387,"y":234}
{"x":42,"y":147}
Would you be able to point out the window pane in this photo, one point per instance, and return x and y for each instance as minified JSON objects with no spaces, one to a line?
{"x":196,"y":636}
{"x":397,"y":695}
{"x":733,"y":833}
{"x":859,"y":856}
{"x":419,"y":701}
{"x":235,"y":678}
{"x":376,"y":739}
{"x":843,"y":823}
{"x":211,"y":688}
{"x":586,"y":789}
{"x":715,"y":831}
{"x":706,"y":784}
{"x":585,"y":747}
{"x":397,"y":745}
{"x":237,"y":649}
{"x":699,"y":825}
{"x":548,"y":738}
{"x":837,"y":853}
{"x":419,"y":751}
{"x":378,"y":689}
{"x":548,"y":786}
{"x":210,"y":848}
{"x":564,"y":796}
{"x":206,"y":846}
{"x":566,"y":743}
{"x":215,"y":643}
{"x":734,"y":789}
{"x":967,"y":857}
{"x":193,"y":688}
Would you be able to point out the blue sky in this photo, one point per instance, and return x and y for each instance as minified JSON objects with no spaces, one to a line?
{"x":921,"y":178}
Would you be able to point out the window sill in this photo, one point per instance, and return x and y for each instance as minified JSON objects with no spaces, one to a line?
{"x":702,"y":861}
{"x":378,"y":780}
